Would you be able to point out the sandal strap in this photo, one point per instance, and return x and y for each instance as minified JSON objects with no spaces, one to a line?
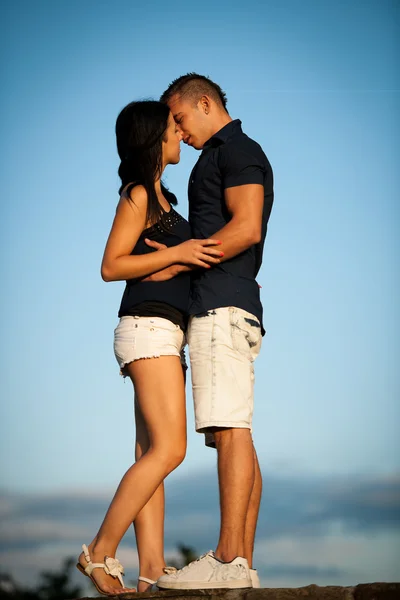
{"x":146,"y":580}
{"x":91,"y":566}
{"x":111,"y":566}
{"x":86,"y":552}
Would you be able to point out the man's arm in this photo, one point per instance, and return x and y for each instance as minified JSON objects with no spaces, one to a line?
{"x":243,"y":179}
{"x":168,"y":273}
{"x":245,"y":205}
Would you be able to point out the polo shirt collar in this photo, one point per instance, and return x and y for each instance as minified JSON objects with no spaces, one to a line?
{"x":225,"y":133}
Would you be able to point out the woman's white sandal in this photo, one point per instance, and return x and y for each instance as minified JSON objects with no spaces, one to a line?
{"x":146,"y":580}
{"x":167,"y":570}
{"x":111,"y":566}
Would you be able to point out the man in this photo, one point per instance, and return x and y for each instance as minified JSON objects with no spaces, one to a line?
{"x":230,"y":199}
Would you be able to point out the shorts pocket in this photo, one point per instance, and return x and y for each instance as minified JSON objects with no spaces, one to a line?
{"x":246,"y":333}
{"x":164,"y":324}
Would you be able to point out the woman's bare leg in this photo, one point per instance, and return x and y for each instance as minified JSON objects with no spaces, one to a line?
{"x":149,"y":524}
{"x":159,"y":386}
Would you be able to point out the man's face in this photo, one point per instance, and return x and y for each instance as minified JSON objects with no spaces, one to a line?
{"x":192,"y":121}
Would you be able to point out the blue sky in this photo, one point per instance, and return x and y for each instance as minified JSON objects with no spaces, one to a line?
{"x":317,"y":85}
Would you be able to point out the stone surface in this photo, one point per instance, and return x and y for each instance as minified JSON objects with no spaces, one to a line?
{"x":369,"y":591}
{"x":377,"y":591}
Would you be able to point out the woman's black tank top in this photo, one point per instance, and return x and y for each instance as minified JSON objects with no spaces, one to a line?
{"x":168,"y":299}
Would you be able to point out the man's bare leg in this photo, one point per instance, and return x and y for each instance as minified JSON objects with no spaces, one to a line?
{"x":236,"y":468}
{"x":252,"y":513}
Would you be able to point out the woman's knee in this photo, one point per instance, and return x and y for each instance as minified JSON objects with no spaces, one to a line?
{"x":172,"y":455}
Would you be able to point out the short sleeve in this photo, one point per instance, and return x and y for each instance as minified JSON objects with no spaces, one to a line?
{"x":240,"y":167}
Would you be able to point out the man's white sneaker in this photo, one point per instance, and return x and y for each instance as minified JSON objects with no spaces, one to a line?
{"x":208,"y":572}
{"x":255,"y":582}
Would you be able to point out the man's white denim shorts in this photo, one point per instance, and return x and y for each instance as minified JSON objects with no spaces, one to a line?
{"x":147,"y":337}
{"x":223,"y":344}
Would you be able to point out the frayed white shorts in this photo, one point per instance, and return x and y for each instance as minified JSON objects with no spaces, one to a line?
{"x":147,"y":337}
{"x":223,"y":344}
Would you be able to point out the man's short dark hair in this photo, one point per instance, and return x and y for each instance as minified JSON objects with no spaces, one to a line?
{"x":193,"y":86}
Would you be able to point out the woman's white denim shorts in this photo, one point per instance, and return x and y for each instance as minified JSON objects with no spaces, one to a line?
{"x":223,"y":344}
{"x":147,"y":337}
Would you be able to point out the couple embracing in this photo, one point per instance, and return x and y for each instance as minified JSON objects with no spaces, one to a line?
{"x":191,"y":282}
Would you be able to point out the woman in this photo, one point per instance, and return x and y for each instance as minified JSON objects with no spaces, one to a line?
{"x":149,"y":339}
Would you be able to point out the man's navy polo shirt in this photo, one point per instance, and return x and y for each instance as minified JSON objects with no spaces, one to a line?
{"x":229,"y":159}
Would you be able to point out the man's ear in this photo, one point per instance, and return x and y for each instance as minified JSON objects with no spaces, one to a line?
{"x":205,"y":104}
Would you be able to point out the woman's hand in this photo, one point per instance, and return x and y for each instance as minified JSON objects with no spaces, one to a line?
{"x":193,"y":252}
{"x":199,"y":253}
{"x":155,"y":245}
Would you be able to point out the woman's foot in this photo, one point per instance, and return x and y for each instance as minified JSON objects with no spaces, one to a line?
{"x":147,"y":575}
{"x":145,"y":586}
{"x":107,"y":584}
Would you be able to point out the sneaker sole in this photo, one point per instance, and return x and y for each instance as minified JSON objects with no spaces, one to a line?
{"x":203,"y":585}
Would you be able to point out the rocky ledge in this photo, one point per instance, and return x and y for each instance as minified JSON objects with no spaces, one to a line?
{"x":366,"y":591}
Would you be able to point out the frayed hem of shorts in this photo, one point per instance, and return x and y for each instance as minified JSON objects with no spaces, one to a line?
{"x":122,"y":367}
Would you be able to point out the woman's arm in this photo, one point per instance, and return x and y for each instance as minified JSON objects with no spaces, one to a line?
{"x":129,"y":222}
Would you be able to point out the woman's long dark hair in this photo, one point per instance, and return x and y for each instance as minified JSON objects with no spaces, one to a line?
{"x":140,"y":129}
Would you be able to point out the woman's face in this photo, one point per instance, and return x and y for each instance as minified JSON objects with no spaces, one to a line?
{"x":171,"y":148}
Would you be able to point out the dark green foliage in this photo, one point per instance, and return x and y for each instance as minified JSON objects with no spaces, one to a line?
{"x":57,"y":585}
{"x":187,"y":555}
{"x":52,"y":586}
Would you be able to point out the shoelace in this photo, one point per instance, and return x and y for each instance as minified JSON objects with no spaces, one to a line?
{"x":170,"y":570}
{"x":197,"y":560}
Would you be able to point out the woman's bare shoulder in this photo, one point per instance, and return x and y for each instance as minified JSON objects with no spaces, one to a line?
{"x":136,"y":198}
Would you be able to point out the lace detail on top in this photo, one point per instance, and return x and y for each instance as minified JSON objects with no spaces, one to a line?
{"x":166,"y":223}
{"x":171,"y":218}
